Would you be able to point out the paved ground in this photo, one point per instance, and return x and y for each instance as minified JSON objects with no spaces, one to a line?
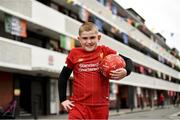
{"x":157,"y":114}
{"x":111,"y":113}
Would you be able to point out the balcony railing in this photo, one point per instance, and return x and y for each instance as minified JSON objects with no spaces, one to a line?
{"x":38,"y":60}
{"x":57,"y":22}
{"x":103,"y":13}
{"x":24,"y":57}
{"x":140,"y":80}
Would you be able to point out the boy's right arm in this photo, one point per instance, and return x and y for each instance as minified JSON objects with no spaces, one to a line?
{"x":62,"y":86}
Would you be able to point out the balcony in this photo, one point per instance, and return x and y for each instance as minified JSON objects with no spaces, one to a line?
{"x":103,"y":13}
{"x":28,"y":59}
{"x":22,"y":58}
{"x":52,"y":23}
{"x":140,"y":80}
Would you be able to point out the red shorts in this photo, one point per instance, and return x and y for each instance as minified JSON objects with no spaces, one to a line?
{"x":80,"y":111}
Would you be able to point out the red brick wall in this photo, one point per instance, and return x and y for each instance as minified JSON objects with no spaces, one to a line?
{"x":6,"y":88}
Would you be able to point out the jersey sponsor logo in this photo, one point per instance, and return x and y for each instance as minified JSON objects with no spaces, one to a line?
{"x":88,"y":67}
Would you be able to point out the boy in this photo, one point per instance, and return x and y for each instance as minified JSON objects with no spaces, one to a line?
{"x":90,"y":87}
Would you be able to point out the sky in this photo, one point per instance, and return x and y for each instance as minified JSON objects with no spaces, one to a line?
{"x":161,"y":16}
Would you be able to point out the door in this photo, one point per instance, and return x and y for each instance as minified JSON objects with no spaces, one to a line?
{"x":37,"y":97}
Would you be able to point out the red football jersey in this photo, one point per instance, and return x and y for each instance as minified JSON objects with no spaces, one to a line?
{"x":90,"y":87}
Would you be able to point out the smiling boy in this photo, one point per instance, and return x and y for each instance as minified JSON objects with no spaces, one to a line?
{"x":90,"y":99}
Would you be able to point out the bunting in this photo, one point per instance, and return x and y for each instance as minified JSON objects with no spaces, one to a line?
{"x":69,"y":1}
{"x":130,"y":21}
{"x":125,"y":38}
{"x":159,"y":74}
{"x":164,"y":76}
{"x":62,"y":41}
{"x":101,"y":1}
{"x":99,"y":23}
{"x":136,"y":24}
{"x":15,"y":26}
{"x":114,"y":10}
{"x":83,"y":14}
{"x":144,"y":28}
{"x":67,"y":42}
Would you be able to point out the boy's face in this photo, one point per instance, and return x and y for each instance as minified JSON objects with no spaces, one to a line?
{"x":88,"y":40}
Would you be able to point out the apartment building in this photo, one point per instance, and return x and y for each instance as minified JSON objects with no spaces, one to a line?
{"x":36,"y":35}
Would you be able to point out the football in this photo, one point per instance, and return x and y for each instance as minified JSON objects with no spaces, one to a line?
{"x":111,"y":62}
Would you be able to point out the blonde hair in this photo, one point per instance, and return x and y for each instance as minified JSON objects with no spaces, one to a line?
{"x":88,"y":26}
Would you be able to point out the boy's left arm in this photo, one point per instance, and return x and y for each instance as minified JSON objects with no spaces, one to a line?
{"x":129,"y":64}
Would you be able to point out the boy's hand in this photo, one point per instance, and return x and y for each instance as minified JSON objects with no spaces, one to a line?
{"x":118,"y":74}
{"x":67,"y":104}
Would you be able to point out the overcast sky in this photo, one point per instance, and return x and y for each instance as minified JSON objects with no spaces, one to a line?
{"x":161,"y":16}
